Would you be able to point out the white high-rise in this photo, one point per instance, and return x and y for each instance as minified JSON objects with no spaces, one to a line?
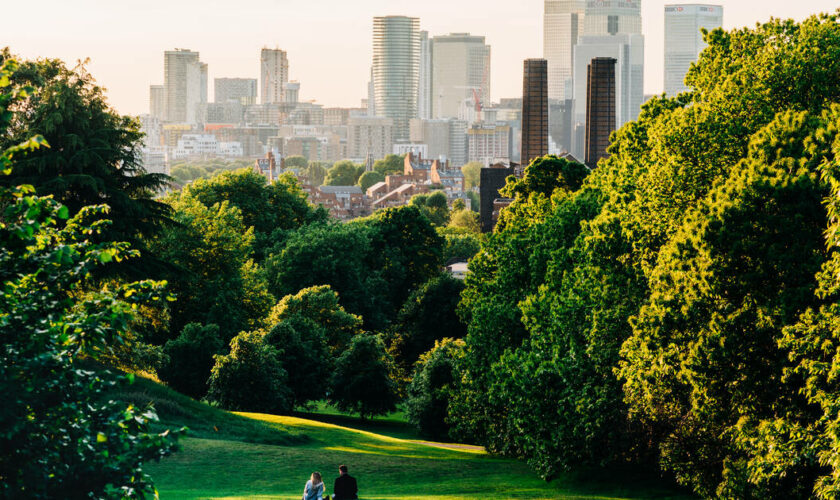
{"x":684,"y":41}
{"x":185,"y":85}
{"x":424,"y":86}
{"x":612,"y":17}
{"x":460,"y":73}
{"x":396,"y":63}
{"x":562,"y":29}
{"x":274,"y":75}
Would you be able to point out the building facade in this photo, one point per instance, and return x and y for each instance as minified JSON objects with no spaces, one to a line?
{"x":534,"y":110}
{"x":185,"y":85}
{"x":369,"y":135}
{"x":396,"y":63}
{"x":489,"y":143}
{"x":460,"y":74}
{"x":157,"y":101}
{"x":684,"y":40}
{"x":600,"y":108}
{"x":611,"y":17}
{"x":274,"y":75}
{"x":562,"y":28}
{"x":424,"y":78}
{"x":243,"y":90}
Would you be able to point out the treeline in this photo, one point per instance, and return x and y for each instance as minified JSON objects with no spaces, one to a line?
{"x":679,"y":303}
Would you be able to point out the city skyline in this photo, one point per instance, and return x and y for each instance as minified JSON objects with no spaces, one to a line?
{"x":126,"y":44}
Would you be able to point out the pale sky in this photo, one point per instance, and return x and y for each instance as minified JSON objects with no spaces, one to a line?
{"x":328,"y":41}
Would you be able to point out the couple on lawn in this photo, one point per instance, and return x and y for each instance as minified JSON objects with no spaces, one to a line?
{"x":344,"y":487}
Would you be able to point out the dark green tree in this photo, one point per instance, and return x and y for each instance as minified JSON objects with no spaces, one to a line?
{"x":295,"y":161}
{"x":344,"y":173}
{"x":316,"y":172}
{"x":361,"y":382}
{"x":368,"y":179}
{"x":391,"y":164}
{"x":189,"y":359}
{"x":430,"y":391}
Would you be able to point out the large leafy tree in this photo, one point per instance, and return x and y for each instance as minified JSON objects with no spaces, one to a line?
{"x":61,"y":438}
{"x":430,"y":391}
{"x":361,"y":382}
{"x":94,"y":158}
{"x":344,"y":173}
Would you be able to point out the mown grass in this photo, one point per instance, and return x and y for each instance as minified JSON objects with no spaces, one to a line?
{"x":229,"y":455}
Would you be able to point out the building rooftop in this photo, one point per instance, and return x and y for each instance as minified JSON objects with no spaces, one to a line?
{"x":341,"y":189}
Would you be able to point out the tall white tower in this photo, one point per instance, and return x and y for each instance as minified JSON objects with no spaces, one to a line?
{"x":684,"y":41}
{"x":274,"y":75}
{"x":185,"y":85}
{"x":396,"y":68}
{"x":562,"y":29}
{"x":460,"y":73}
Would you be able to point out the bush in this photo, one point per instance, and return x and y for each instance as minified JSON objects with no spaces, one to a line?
{"x":430,"y":389}
{"x":361,"y":382}
{"x":189,"y":359}
{"x":251,"y":377}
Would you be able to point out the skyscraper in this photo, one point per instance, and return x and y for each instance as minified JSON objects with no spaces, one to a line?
{"x":185,"y":85}
{"x":684,"y":41}
{"x":600,"y":108}
{"x":460,"y":73}
{"x":562,"y":28}
{"x":611,"y":17}
{"x":396,"y":62}
{"x":424,"y":86}
{"x":274,"y":75}
{"x":534,"y":110}
{"x":157,"y":101}
{"x":243,"y":90}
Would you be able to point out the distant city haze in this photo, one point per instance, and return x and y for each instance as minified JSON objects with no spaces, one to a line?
{"x":329,"y":43}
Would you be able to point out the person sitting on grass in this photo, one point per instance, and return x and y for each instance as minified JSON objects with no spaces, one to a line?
{"x":314,"y":489}
{"x":345,"y":485}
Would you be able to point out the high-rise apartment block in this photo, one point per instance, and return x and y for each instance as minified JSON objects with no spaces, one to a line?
{"x":562,"y":28}
{"x":684,"y":40}
{"x":489,"y":143}
{"x":396,"y":63}
{"x":424,"y":85}
{"x":600,"y":108}
{"x":157,"y":101}
{"x":534,"y":110}
{"x":274,"y":75}
{"x":460,"y":73}
{"x":242,"y":90}
{"x":369,"y":136}
{"x":185,"y":85}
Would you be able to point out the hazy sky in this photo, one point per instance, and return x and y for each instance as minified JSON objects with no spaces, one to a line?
{"x":328,"y":41}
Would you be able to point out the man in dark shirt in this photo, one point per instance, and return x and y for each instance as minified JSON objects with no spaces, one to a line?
{"x":345,"y":485}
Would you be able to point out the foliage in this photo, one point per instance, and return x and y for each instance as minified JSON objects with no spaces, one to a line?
{"x":344,"y":173}
{"x":460,"y":244}
{"x":475,"y":201}
{"x":295,"y":161}
{"x":189,"y":359}
{"x":59,"y":439}
{"x":391,"y":164}
{"x":186,"y":171}
{"x":316,"y":172}
{"x":426,"y":317}
{"x":368,"y":179}
{"x":251,"y":377}
{"x":472,"y":174}
{"x":465,"y":219}
{"x":361,"y":381}
{"x":431,"y":388}
{"x":434,"y":206}
{"x":94,"y":158}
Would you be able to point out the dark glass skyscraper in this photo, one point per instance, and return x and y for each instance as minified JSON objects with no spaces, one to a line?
{"x":534,"y":110}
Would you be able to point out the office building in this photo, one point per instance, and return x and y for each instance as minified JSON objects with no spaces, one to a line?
{"x":684,"y":40}
{"x":274,"y":75}
{"x":488,"y":143}
{"x":612,"y":17}
{"x":185,"y":85}
{"x":491,"y":180}
{"x":460,"y":74}
{"x":600,"y":108}
{"x":435,"y":134}
{"x":396,"y":63}
{"x":562,"y":28}
{"x":534,"y":110}
{"x":242,"y":90}
{"x":157,"y":101}
{"x":424,"y":85}
{"x":369,"y":135}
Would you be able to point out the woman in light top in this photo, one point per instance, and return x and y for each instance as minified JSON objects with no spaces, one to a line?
{"x":314,"y":489}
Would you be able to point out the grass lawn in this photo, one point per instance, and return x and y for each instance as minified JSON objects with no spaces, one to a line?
{"x":271,"y":457}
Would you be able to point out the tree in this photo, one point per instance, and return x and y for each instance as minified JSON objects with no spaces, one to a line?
{"x":430,"y":391}
{"x":94,"y":158}
{"x":434,"y":206}
{"x":251,"y":377}
{"x":316,"y":172}
{"x":368,"y":179}
{"x":344,"y":173}
{"x":361,"y":381}
{"x":465,"y":219}
{"x":472,"y":174}
{"x":295,"y":161}
{"x":61,"y":437}
{"x":459,"y":244}
{"x":391,"y":164}
{"x":189,"y":359}
{"x":427,"y":316}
